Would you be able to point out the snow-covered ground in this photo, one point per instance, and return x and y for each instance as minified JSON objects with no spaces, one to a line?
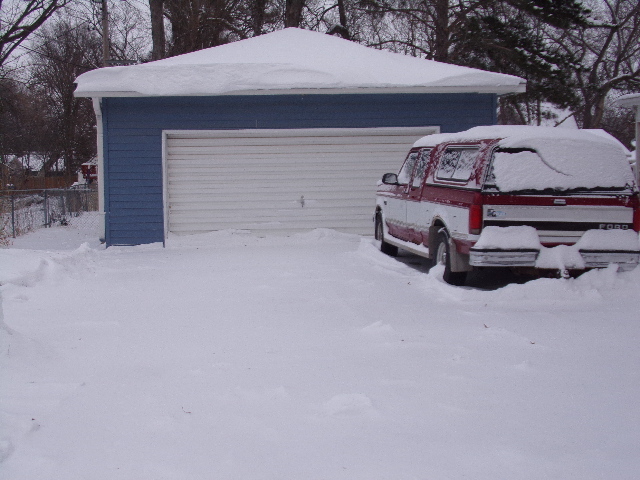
{"x":225,"y":356}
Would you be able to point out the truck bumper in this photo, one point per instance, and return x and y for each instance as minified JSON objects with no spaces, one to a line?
{"x":626,"y":260}
{"x":502,"y":258}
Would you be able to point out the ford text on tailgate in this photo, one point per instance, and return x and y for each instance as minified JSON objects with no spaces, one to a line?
{"x":530,"y":198}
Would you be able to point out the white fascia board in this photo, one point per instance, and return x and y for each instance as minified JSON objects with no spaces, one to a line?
{"x":496,"y":89}
{"x":633,"y":99}
{"x":97,"y":108}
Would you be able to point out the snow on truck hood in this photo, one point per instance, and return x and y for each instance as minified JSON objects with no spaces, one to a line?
{"x":286,"y":60}
{"x":565,"y":160}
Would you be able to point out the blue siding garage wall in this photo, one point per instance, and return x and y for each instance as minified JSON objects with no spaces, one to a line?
{"x":133,"y":137}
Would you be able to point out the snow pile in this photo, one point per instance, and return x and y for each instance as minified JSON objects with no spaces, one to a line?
{"x":560,"y":257}
{"x":290,"y":59}
{"x":313,"y":356}
{"x":566,"y":159}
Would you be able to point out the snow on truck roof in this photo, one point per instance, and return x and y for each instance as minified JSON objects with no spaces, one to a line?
{"x":564,"y":159}
{"x":291,"y":61}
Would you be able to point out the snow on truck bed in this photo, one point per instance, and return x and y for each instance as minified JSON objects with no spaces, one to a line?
{"x":563,"y":159}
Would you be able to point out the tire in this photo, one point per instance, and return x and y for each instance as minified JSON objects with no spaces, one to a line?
{"x":385,"y":247}
{"x":443,"y":257}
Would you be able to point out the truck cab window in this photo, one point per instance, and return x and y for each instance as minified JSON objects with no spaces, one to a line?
{"x":405,"y":172}
{"x":421,"y":168}
{"x":457,"y":163}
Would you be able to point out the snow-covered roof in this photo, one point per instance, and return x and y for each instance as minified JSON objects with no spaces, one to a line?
{"x":291,"y":61}
{"x":566,"y":158}
{"x":629,"y":100}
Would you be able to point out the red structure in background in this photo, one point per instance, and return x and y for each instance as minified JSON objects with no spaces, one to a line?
{"x":89,"y":172}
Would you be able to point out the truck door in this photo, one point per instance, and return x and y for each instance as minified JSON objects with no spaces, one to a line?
{"x":416,"y":213}
{"x":397,"y":204}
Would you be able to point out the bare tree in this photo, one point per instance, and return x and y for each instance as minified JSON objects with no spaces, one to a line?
{"x":20,"y":127}
{"x":129,"y":28}
{"x":198,"y":24}
{"x":64,"y":52}
{"x":18,"y":20}
{"x":606,"y":56}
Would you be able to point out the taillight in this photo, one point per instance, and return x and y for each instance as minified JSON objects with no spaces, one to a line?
{"x":475,"y":215}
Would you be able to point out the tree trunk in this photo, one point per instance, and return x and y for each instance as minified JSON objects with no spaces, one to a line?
{"x":293,"y":13}
{"x":593,"y":110}
{"x":157,"y":29}
{"x":441,"y":31}
{"x":343,"y":20}
{"x":258,"y":14}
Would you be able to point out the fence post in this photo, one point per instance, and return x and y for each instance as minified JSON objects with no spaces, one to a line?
{"x":13,"y":214}
{"x":46,"y":209}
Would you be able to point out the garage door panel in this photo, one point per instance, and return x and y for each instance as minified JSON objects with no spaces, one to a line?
{"x":281,"y":176}
{"x":266,"y":227}
{"x":277,"y":225}
{"x":268,"y":151}
{"x":261,"y":151}
{"x":189,"y":143}
{"x":257,"y":213}
{"x":334,"y":160}
{"x":275,"y":134}
{"x":279,"y":181}
{"x":276,"y":207}
{"x":272,"y":196}
{"x":204,"y":174}
{"x":285,"y":158}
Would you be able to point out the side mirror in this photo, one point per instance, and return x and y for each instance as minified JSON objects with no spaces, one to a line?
{"x":390,"y":179}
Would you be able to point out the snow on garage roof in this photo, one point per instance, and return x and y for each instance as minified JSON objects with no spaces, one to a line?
{"x":291,"y":61}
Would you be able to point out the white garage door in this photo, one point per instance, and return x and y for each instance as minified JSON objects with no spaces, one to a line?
{"x":280,"y":181}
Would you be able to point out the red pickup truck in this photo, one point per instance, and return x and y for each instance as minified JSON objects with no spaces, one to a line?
{"x":530,"y":198}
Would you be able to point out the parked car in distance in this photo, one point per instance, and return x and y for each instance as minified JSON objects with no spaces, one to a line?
{"x":530,"y":198}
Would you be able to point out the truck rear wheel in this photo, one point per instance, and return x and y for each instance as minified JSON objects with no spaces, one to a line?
{"x":443,"y":257}
{"x":385,"y":247}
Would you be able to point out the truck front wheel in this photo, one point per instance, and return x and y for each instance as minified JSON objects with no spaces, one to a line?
{"x":385,"y":247}
{"x":443,"y":257}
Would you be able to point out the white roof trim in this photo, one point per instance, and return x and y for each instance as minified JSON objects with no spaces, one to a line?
{"x":499,"y":90}
{"x":629,"y":100}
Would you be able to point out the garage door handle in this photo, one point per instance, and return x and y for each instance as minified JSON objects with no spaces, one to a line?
{"x":302,"y":201}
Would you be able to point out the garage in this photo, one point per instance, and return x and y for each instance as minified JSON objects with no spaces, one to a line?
{"x":282,"y":181}
{"x":280,"y":133}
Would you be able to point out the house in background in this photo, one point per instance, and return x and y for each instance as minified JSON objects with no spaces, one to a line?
{"x":88,"y":173}
{"x":633,"y":101}
{"x":284,"y":132}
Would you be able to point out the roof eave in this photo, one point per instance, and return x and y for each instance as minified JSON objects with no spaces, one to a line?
{"x":630,"y":100}
{"x":495,"y":89}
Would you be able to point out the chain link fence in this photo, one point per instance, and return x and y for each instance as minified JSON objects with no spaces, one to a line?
{"x":22,"y":211}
